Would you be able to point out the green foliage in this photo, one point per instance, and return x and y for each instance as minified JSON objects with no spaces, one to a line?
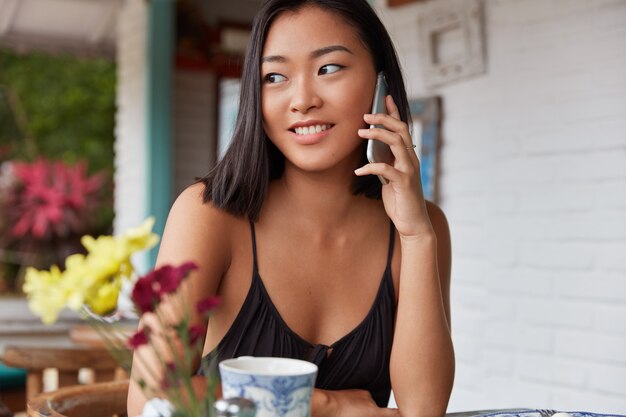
{"x":59,"y":107}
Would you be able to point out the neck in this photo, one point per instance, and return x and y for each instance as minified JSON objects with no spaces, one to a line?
{"x":323,"y":199}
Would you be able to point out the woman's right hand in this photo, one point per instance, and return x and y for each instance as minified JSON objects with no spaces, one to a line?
{"x":348,"y":403}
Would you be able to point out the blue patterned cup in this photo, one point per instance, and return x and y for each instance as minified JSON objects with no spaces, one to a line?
{"x":279,"y":387}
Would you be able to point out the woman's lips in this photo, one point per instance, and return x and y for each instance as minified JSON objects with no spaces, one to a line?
{"x":310,"y":135}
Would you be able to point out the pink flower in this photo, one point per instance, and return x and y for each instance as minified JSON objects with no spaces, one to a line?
{"x":196,"y":334}
{"x":150,"y":290}
{"x":140,"y":338}
{"x":208,"y":304}
{"x":52,"y":199}
{"x":169,"y":277}
{"x":144,"y":295}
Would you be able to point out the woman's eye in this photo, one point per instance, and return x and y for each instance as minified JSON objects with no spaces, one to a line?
{"x":330,"y":68}
{"x":274,"y":78}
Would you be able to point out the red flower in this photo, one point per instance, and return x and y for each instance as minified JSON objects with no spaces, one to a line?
{"x":196,"y":334}
{"x":144,"y":295}
{"x":169,"y":277}
{"x":140,"y":338}
{"x":150,"y":290}
{"x":208,"y":304}
{"x":52,"y":199}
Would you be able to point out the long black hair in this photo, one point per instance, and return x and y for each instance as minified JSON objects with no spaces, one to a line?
{"x":238,"y":183}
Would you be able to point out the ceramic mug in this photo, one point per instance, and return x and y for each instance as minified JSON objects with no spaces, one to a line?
{"x":279,"y":387}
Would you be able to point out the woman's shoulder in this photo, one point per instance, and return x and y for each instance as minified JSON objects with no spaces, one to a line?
{"x":197,"y":229}
{"x":191,"y":207}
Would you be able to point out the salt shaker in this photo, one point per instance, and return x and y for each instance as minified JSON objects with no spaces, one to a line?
{"x":235,"y":407}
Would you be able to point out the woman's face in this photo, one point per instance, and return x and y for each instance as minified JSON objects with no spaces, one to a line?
{"x":318,"y":81}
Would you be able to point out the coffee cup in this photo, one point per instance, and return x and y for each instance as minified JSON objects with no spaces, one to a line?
{"x":279,"y":387}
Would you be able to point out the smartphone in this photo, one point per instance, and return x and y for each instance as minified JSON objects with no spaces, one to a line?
{"x":378,"y":151}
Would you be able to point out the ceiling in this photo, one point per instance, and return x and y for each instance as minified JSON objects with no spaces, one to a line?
{"x":88,"y":27}
{"x":79,"y":27}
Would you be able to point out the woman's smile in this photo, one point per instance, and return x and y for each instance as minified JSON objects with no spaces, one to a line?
{"x":310,"y":132}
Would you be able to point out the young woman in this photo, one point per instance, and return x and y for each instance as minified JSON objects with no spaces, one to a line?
{"x":312,"y":257}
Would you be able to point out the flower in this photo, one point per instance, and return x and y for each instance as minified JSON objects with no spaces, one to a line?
{"x":91,"y":283}
{"x":208,"y":304}
{"x":51,"y":199}
{"x":93,"y":280}
{"x":140,"y":338}
{"x":196,"y":334}
{"x":144,"y":296}
{"x":45,"y":206}
{"x":48,"y":296}
{"x":150,"y":290}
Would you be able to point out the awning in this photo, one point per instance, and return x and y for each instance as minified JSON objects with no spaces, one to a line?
{"x":78,"y":27}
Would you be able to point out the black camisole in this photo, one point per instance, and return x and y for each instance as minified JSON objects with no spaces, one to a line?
{"x":359,"y":360}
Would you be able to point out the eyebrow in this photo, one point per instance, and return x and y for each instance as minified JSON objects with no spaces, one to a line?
{"x":315,"y":54}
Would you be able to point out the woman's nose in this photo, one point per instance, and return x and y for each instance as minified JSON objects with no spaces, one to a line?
{"x":305,"y":96}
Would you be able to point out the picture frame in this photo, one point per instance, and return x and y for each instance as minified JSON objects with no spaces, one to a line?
{"x":451,"y":41}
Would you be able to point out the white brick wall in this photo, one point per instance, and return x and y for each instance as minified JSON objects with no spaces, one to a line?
{"x":534,"y":184}
{"x":130,"y":129}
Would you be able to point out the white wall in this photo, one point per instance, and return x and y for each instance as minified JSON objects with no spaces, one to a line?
{"x":534,"y":184}
{"x":130,"y":129}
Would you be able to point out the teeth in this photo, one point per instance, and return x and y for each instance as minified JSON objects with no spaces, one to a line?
{"x":307,"y":130}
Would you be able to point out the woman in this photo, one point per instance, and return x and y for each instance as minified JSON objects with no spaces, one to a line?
{"x":311,"y":256}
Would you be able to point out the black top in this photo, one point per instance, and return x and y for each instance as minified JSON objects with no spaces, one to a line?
{"x":359,"y":360}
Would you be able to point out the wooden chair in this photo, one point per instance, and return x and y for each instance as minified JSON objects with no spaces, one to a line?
{"x":104,"y":399}
{"x":67,"y":360}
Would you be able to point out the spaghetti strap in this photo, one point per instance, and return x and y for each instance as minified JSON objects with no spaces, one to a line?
{"x":256,"y":268}
{"x":392,"y":241}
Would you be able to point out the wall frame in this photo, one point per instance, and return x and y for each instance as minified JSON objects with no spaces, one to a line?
{"x":451,"y":40}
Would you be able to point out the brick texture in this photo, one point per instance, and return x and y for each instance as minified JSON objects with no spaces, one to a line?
{"x":533,"y":180}
{"x":130,"y":131}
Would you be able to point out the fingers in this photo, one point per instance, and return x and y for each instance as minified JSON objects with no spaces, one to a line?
{"x":392,"y":139}
{"x":404,"y":154}
{"x":397,"y":136}
{"x":392,"y":109}
{"x":391,"y":174}
{"x":390,"y":123}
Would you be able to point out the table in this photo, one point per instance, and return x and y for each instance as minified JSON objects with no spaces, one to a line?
{"x":480,"y":412}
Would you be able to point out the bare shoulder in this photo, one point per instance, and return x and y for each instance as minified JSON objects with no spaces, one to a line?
{"x":195,"y":218}
{"x":198,"y":231}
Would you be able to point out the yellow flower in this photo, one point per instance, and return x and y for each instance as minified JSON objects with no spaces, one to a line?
{"x":139,"y":238}
{"x":73,"y":279}
{"x":46,"y":294}
{"x":93,"y":280}
{"x":104,"y":300}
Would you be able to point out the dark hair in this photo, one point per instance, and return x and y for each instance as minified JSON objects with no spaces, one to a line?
{"x":239,"y":181}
